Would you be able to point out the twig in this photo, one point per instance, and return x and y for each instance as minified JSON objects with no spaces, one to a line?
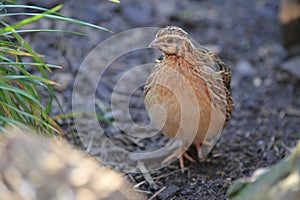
{"x":146,"y":174}
{"x":271,"y":143}
{"x":139,"y":184}
{"x":90,"y":144}
{"x":158,"y":192}
{"x":167,"y":174}
{"x":286,"y":147}
{"x":293,"y":111}
{"x":142,"y":191}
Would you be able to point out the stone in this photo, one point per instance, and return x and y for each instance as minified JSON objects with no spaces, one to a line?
{"x":244,"y":69}
{"x":289,"y":18}
{"x":292,"y":66}
{"x":63,"y":80}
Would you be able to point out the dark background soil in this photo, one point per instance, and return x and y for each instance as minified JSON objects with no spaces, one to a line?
{"x":245,"y":34}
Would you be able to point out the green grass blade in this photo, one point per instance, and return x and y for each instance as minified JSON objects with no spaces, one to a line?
{"x":47,"y":30}
{"x":32,"y":8}
{"x":66,"y":19}
{"x":29,"y":20}
{"x":115,"y":1}
{"x":37,"y":119}
{"x":21,"y":92}
{"x":10,"y":1}
{"x":28,"y":78}
{"x":9,"y":62}
{"x":5,"y":120}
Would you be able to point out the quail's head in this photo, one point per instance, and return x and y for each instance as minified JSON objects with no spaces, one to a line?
{"x":172,"y":40}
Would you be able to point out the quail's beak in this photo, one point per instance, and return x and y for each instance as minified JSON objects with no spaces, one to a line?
{"x":154,"y":43}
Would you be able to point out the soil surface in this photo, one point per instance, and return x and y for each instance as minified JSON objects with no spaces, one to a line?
{"x":245,"y":34}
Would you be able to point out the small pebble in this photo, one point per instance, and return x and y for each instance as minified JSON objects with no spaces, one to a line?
{"x":257,"y":82}
{"x":63,"y":80}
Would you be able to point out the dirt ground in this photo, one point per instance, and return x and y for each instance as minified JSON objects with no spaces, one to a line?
{"x":245,"y":34}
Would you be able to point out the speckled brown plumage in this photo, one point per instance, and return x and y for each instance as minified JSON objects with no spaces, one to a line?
{"x":189,"y":77}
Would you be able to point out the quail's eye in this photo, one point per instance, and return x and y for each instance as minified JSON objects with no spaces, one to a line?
{"x":170,"y":40}
{"x":159,"y":59}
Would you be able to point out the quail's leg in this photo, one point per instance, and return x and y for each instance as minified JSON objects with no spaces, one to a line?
{"x":181,"y":154}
